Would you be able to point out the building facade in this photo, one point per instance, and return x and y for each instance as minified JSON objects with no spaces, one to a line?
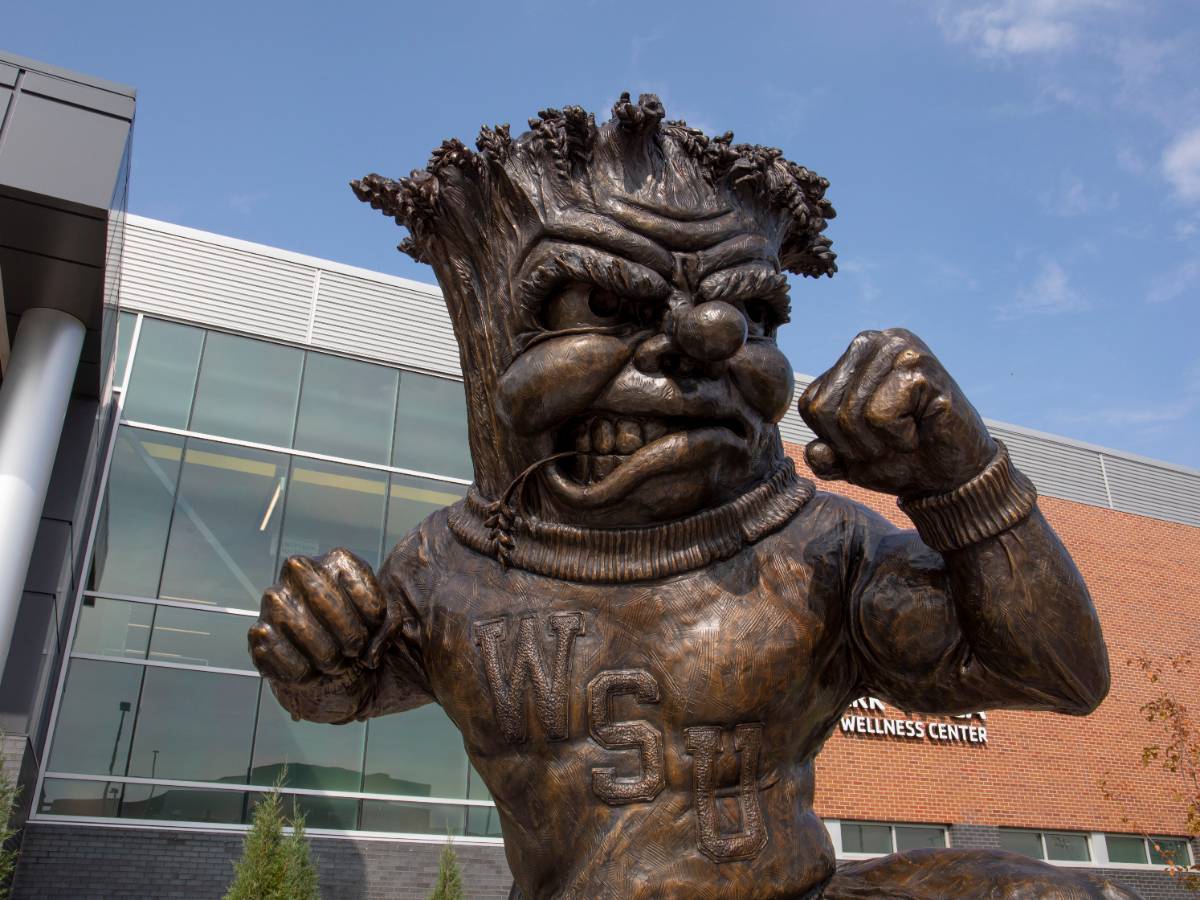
{"x":231,"y":404}
{"x":272,"y":404}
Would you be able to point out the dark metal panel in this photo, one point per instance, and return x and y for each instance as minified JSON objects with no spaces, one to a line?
{"x":5,"y":97}
{"x":78,"y":94}
{"x":32,"y":280}
{"x":8,"y":74}
{"x":24,"y":62}
{"x":62,"y":151}
{"x":47,"y":231}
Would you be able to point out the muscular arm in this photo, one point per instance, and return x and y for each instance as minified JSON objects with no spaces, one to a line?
{"x":1006,"y":622}
{"x":981,"y":606}
{"x":335,"y":644}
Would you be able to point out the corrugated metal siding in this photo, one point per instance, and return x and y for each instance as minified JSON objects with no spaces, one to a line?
{"x":1150,"y":490}
{"x":260,"y":291}
{"x":1057,"y":469}
{"x":386,"y":322}
{"x":204,"y":282}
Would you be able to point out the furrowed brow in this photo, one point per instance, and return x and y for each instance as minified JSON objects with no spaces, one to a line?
{"x":744,"y":282}
{"x":553,"y":264}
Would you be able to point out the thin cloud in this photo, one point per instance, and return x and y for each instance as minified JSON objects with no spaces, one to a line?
{"x":1074,"y":199}
{"x":1176,"y":283}
{"x":1050,"y":294}
{"x":1021,"y":27}
{"x":1181,"y":165}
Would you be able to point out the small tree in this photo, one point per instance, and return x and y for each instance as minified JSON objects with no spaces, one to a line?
{"x":449,"y":881}
{"x":274,"y":866}
{"x":9,"y":795}
{"x":1177,"y":754}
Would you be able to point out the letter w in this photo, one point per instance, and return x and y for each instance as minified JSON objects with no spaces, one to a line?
{"x":510,"y":689}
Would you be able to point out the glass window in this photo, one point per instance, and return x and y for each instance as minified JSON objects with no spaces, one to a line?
{"x":412,"y":818}
{"x":1027,"y":843}
{"x":164,"y":374}
{"x":125,"y":325}
{"x":483,"y":821}
{"x":411,"y":499}
{"x":201,"y":638}
{"x":1123,"y":848}
{"x":80,"y":798}
{"x":431,"y":427}
{"x":860,"y":838}
{"x":145,"y":801}
{"x":347,"y":408}
{"x":340,"y":813}
{"x":331,"y":505}
{"x":1067,"y":847}
{"x":1166,"y":851}
{"x":247,"y":389}
{"x":132,"y":534}
{"x":113,"y":628}
{"x":194,"y":726}
{"x":322,"y":757}
{"x":914,"y":837}
{"x":95,"y":719}
{"x":419,"y":753}
{"x":225,"y":531}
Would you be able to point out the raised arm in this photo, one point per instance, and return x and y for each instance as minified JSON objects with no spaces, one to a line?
{"x":334,"y":645}
{"x":982,"y":607}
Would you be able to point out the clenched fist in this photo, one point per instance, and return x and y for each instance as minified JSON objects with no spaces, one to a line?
{"x":888,"y":417}
{"x":325,"y":616}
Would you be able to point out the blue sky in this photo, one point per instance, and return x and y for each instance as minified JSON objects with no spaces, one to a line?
{"x":1017,"y":181}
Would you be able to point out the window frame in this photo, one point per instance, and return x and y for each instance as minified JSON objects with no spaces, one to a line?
{"x":834,"y":827}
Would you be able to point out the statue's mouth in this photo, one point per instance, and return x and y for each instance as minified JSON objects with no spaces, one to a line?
{"x":604,"y":442}
{"x":613,"y":454}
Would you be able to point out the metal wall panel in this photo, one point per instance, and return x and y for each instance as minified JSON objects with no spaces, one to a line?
{"x":198,"y":281}
{"x":1057,"y":469}
{"x":211,"y":280}
{"x":1150,"y":490}
{"x":383,"y":321}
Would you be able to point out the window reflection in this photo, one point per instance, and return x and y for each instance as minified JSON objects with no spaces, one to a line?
{"x":137,"y":512}
{"x":113,"y":628}
{"x":194,"y":726}
{"x":200,"y":638}
{"x":483,"y":821}
{"x":412,"y":499}
{"x":80,"y":798}
{"x":145,"y":801}
{"x":323,"y":757}
{"x":224,"y":534}
{"x":164,"y":373}
{"x":412,"y":818}
{"x":914,"y":837}
{"x":419,"y":753}
{"x":125,"y":325}
{"x":95,"y":718}
{"x":861,"y":838}
{"x":431,"y":427}
{"x":330,"y":505}
{"x":247,"y":389}
{"x":347,"y":408}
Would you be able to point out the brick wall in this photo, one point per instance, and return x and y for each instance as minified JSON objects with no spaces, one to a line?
{"x":1040,"y":769}
{"x":83,"y":862}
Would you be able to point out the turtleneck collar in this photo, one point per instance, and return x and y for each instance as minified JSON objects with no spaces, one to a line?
{"x":574,"y":553}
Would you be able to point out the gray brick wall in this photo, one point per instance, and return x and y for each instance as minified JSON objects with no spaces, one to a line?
{"x":84,"y":863}
{"x":975,"y":837}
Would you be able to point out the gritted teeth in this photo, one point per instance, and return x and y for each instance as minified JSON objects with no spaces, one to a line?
{"x":602,"y":443}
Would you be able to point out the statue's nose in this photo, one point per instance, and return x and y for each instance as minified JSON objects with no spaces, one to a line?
{"x":709,"y":332}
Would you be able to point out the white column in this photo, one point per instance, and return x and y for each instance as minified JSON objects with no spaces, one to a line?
{"x":33,"y":403}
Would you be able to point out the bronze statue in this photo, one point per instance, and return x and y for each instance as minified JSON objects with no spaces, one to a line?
{"x":643,"y":621}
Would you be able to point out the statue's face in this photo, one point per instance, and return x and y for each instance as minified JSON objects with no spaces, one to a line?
{"x":661,"y":378}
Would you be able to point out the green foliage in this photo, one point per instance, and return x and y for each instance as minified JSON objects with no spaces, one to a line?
{"x":274,"y":866}
{"x":9,"y":795}
{"x":449,"y":881}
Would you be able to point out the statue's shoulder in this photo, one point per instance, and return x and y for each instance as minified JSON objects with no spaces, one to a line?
{"x":430,"y":547}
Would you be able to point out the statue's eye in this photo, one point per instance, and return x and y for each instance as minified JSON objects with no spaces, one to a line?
{"x":583,"y":306}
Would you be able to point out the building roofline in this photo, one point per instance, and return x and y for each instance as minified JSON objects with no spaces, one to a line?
{"x":24,"y":62}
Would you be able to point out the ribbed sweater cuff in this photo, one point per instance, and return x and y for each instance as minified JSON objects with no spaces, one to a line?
{"x":990,"y":503}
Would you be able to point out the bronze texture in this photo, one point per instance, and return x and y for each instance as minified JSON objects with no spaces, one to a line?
{"x":643,"y":621}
